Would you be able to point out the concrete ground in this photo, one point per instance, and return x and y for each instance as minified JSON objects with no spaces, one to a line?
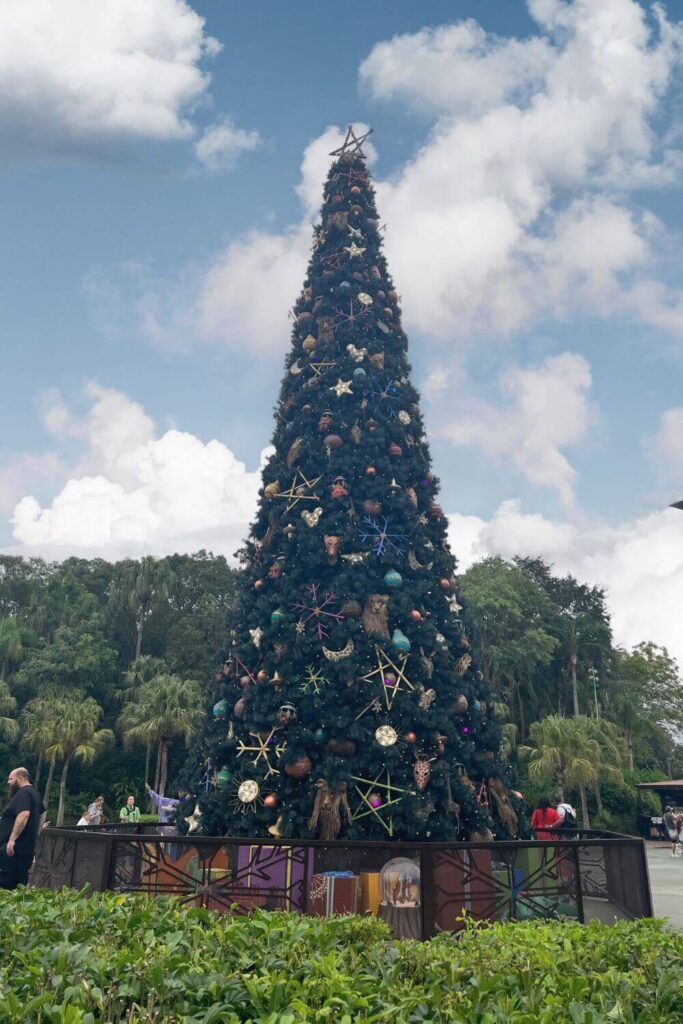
{"x":666,"y":881}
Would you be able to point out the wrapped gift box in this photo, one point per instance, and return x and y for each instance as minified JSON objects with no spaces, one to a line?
{"x":334,"y":893}
{"x":369,"y":892}
{"x":281,"y":874}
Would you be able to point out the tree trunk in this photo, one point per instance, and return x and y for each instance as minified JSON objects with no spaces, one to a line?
{"x":148,"y":756}
{"x":62,"y":791}
{"x":164,"y":767}
{"x":36,"y":781}
{"x":48,"y":784}
{"x":584,"y":807}
{"x":629,"y":744}
{"x":575,"y":690}
{"x":139,"y":625}
{"x":598,"y":796}
{"x":158,"y":767}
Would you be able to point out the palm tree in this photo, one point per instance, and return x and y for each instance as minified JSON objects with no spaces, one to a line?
{"x":37,"y":722}
{"x":8,"y":705}
{"x":13,"y":636}
{"x":76,"y":738}
{"x":564,"y":753}
{"x":141,"y":587}
{"x":164,"y":707}
{"x":141,"y":671}
{"x":612,"y":753}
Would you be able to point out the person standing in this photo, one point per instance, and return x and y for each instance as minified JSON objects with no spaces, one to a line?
{"x":21,"y":823}
{"x":566,"y":816}
{"x":671,"y":826}
{"x":543,"y":819}
{"x":96,"y":811}
{"x":166,"y":808}
{"x":129,"y":813}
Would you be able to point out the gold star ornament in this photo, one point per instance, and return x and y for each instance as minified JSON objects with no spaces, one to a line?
{"x":342,"y":387}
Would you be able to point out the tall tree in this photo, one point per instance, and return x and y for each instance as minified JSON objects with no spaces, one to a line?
{"x":8,"y":705}
{"x":76,"y":738}
{"x":349,"y":700}
{"x":142,"y":586}
{"x":144,"y":669}
{"x":14,"y":636}
{"x":163,"y":708}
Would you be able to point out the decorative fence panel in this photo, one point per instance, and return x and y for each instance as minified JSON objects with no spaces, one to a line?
{"x":419,"y":889}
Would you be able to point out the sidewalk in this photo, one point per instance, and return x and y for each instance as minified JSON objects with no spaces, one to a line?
{"x":666,"y":881}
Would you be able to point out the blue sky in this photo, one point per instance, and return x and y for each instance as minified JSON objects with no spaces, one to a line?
{"x":160,"y":166}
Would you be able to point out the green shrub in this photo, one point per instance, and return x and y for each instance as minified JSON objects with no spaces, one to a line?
{"x":68,"y":958}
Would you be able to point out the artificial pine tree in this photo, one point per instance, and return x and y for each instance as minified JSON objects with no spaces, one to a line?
{"x":348,"y":704}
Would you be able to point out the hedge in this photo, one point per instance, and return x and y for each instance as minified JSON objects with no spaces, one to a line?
{"x":70,"y":958}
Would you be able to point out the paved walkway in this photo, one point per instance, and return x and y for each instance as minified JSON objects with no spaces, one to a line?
{"x":666,"y":880}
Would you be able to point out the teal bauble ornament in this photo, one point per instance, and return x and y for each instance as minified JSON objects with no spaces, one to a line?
{"x":220,"y":709}
{"x":400,"y":641}
{"x":359,"y":373}
{"x":223,"y":778}
{"x":278,"y":616}
{"x":319,"y":736}
{"x":392,"y":578}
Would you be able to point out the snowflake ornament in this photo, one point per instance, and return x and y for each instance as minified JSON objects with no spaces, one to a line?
{"x":317,"y":611}
{"x":385,"y":540}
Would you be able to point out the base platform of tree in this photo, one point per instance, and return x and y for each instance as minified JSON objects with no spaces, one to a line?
{"x":420,"y":889}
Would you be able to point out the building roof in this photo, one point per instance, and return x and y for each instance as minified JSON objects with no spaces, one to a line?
{"x":665,"y":784}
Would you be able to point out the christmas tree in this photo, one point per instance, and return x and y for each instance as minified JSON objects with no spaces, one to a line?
{"x":347,"y":704}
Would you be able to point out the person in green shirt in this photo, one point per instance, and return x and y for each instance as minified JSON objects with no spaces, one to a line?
{"x":129,"y":813}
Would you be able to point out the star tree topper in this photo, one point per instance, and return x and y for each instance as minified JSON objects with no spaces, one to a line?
{"x":352,"y":144}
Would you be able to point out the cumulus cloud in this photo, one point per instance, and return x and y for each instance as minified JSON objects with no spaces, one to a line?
{"x":78,"y":76}
{"x":640,"y":563}
{"x":222,"y":143}
{"x":544,"y":410}
{"x":669,"y":442}
{"x":518,"y":206}
{"x":135,"y":491}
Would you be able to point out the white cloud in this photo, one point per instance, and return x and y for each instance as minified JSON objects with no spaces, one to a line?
{"x":640,"y":563}
{"x":517,"y":207}
{"x":546,"y":409}
{"x":222,"y":143}
{"x":134,"y":491}
{"x":26,"y":470}
{"x":669,"y":443}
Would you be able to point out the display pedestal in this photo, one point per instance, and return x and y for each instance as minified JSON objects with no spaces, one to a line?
{"x":405,"y":922}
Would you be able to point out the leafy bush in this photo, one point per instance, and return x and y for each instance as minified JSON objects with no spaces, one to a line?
{"x":68,"y":958}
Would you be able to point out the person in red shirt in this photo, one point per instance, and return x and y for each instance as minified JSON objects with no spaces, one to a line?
{"x":543,"y":818}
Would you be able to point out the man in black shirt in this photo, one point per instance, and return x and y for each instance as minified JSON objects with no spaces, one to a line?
{"x":20,"y":825}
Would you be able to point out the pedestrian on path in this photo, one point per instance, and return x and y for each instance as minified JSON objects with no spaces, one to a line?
{"x":129,"y":813}
{"x":672,"y":827}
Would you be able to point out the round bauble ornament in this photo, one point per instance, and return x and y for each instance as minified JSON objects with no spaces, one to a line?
{"x":240,"y":708}
{"x":403,"y":418}
{"x":445,"y":584}
{"x":375,"y":800}
{"x":410,"y":737}
{"x":308,"y":344}
{"x":371,"y":424}
{"x":270,"y":800}
{"x":307,"y":408}
{"x":278,"y":616}
{"x":303,"y":317}
{"x":248,"y":791}
{"x":351,"y":609}
{"x":364,"y":299}
{"x":415,"y":615}
{"x":355,"y":190}
{"x":517,"y":795}
{"x":287,"y":714}
{"x":356,"y":210}
{"x":392,"y":578}
{"x":388,"y":311}
{"x":244,"y":681}
{"x":332,"y":441}
{"x":372,"y":507}
{"x":261,"y":675}
{"x":300,"y":768}
{"x":223,"y":778}
{"x":359,"y":374}
{"x":460,"y":704}
{"x":220,"y":709}
{"x":400,"y":641}
{"x":386,"y":735}
{"x":422,"y":773}
{"x":395,"y":450}
{"x":390,"y":680}
{"x":258,"y":584}
{"x":319,"y":736}
{"x":435,"y":510}
{"x":370,"y":471}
